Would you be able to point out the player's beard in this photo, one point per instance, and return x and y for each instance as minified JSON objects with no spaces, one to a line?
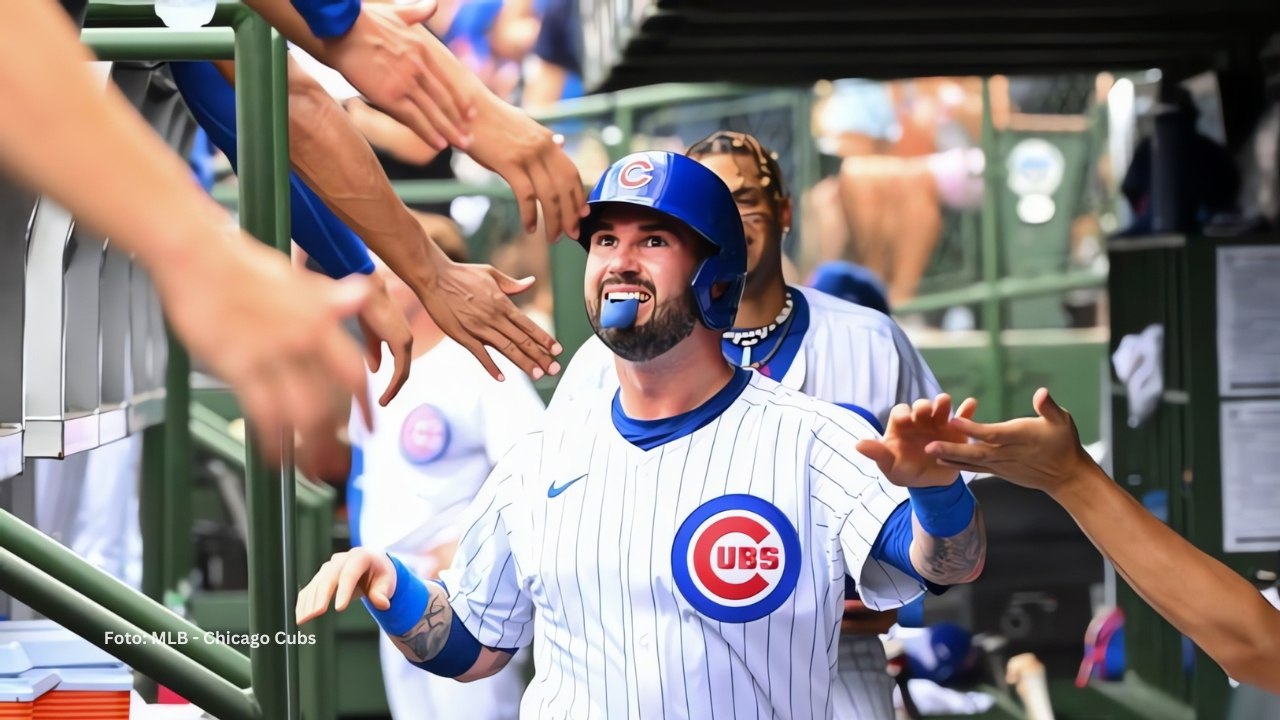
{"x":670,"y":322}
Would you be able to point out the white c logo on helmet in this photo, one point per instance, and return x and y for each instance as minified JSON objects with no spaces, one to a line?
{"x":636,"y":174}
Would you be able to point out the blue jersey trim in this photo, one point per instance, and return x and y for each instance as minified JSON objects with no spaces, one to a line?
{"x":648,"y":434}
{"x":865,"y":414}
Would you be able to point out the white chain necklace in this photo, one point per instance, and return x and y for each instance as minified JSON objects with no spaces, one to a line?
{"x":747,"y":339}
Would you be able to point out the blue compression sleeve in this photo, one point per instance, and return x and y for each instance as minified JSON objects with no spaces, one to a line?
{"x":408,"y":605}
{"x":328,"y":18}
{"x":943,"y":511}
{"x":212,"y":101}
{"x":893,"y":544}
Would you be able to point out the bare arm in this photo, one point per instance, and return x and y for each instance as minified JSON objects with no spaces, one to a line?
{"x":361,"y":572}
{"x":425,"y":641}
{"x":468,"y":302}
{"x":1210,"y":603}
{"x":384,"y":56}
{"x":234,"y":303}
{"x":1206,"y":600}
{"x":387,"y":133}
{"x":69,"y":138}
{"x":901,"y":456}
{"x":544,"y":86}
{"x":409,"y":74}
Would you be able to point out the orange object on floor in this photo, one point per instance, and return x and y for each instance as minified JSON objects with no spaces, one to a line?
{"x":81,"y":704}
{"x":101,"y":693}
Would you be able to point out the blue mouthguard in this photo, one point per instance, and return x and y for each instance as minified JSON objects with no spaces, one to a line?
{"x":619,"y":313}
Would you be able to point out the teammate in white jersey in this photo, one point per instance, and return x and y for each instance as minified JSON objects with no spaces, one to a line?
{"x":809,"y":341}
{"x":411,"y":479}
{"x":681,"y":542}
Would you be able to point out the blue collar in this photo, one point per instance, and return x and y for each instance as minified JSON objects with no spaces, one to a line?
{"x":791,"y":341}
{"x":649,"y":434}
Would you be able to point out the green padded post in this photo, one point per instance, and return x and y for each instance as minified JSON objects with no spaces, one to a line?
{"x":262,"y":117}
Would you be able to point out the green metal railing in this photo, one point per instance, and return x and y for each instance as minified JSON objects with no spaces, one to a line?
{"x":41,"y":573}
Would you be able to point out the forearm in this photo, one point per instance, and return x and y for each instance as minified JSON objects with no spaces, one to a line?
{"x":951,"y":560}
{"x":1219,"y":610}
{"x":335,"y":160}
{"x":545,"y":86}
{"x":422,"y":626}
{"x":389,"y":134}
{"x":87,"y":148}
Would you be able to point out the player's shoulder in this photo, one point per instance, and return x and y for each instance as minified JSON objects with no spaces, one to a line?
{"x":819,"y":415}
{"x":842,"y":314}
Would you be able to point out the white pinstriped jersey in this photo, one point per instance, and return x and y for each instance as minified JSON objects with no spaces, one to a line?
{"x":701,"y":578}
{"x":848,"y":354}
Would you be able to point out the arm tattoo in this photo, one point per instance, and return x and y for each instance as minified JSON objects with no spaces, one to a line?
{"x":953,"y":560}
{"x":425,"y":641}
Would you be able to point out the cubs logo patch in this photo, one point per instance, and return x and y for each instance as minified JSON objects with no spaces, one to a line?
{"x":636,"y":174}
{"x":424,"y":436}
{"x":736,"y":558}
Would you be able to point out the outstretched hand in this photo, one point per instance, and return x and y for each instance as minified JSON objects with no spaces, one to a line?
{"x":471,"y":304}
{"x":391,"y":58}
{"x":901,"y":453}
{"x":381,"y":321}
{"x":1042,"y":452}
{"x":370,"y":574}
{"x":530,"y":158}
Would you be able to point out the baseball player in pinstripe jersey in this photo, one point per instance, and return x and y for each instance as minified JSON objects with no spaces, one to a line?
{"x":809,"y":341}
{"x":677,"y":547}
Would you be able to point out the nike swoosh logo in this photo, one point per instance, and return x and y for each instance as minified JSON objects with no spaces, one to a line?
{"x":553,"y":490}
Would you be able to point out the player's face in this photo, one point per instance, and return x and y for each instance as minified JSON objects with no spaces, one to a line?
{"x":760,"y":221}
{"x":640,"y":253}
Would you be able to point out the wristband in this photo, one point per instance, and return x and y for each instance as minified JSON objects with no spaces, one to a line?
{"x":943,"y":511}
{"x":408,"y":602}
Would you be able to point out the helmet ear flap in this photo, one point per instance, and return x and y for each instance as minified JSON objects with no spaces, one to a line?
{"x":718,"y":291}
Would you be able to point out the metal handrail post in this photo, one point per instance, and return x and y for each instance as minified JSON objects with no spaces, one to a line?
{"x":155,"y":657}
{"x":60,"y":563}
{"x":262,"y":117}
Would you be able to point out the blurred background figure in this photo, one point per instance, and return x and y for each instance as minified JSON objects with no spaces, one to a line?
{"x":850,"y":282}
{"x":407,"y":481}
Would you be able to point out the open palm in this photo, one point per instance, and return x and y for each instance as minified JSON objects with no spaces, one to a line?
{"x":901,"y":453}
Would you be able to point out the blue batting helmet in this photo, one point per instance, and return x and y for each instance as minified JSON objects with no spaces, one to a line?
{"x":684,"y":189}
{"x":852,"y":283}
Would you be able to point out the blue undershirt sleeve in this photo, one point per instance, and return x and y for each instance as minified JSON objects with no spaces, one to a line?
{"x":893,"y":546}
{"x":328,"y":18}
{"x":212,"y":100}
